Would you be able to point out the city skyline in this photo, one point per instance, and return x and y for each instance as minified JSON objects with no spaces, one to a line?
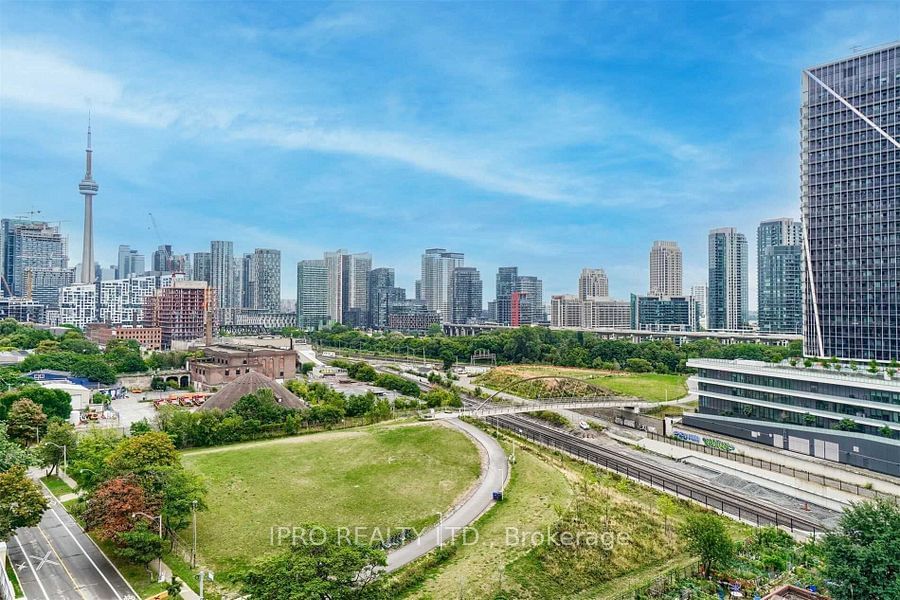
{"x":557,"y":227}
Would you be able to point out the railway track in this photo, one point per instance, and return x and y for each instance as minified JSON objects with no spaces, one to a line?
{"x":748,"y":510}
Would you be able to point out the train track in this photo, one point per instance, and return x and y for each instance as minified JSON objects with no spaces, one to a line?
{"x":749,"y":510}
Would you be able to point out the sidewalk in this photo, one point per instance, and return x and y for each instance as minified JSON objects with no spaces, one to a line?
{"x":186,"y":592}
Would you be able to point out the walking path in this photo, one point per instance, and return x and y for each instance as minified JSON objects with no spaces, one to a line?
{"x":494,"y":476}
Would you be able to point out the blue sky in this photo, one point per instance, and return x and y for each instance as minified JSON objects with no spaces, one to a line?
{"x":552,"y":136}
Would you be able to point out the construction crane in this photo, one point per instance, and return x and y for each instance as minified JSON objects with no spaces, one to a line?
{"x":28,"y":214}
{"x":155,"y":228}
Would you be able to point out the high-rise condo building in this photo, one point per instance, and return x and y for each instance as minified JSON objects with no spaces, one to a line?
{"x":465,"y":283}
{"x":727,"y":293}
{"x":382,"y":293}
{"x":264,"y":274}
{"x":437,"y":267}
{"x":665,"y":269}
{"x":507,"y":283}
{"x":850,"y":204}
{"x":348,"y":286}
{"x":312,"y":294}
{"x":779,"y":263}
{"x":698,"y":293}
{"x":530,"y":298}
{"x":202,"y":266}
{"x":130,"y":262}
{"x":35,"y":260}
{"x":221,"y":272}
{"x":593,"y":283}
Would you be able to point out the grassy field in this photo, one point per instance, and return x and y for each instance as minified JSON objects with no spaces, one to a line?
{"x":537,"y":492}
{"x":386,"y":477}
{"x":649,"y":386}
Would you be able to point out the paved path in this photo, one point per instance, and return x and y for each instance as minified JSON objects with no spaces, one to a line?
{"x":56,"y":560}
{"x":494,"y":475}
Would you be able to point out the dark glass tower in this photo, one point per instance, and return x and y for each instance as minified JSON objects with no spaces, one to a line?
{"x":850,"y":200}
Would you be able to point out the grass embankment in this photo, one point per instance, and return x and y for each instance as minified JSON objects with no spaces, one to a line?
{"x":654,"y":387}
{"x":11,"y":573}
{"x":629,"y":537}
{"x":385,"y":477}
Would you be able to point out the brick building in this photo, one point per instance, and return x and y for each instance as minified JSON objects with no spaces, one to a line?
{"x":182,"y":312}
{"x":222,"y":364}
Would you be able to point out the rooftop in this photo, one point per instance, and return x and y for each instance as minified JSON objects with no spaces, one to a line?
{"x":860,"y":378}
{"x":249,"y":383}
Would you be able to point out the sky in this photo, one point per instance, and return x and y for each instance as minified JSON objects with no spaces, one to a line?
{"x":551,"y":135}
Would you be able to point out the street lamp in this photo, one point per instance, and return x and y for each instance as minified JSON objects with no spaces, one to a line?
{"x":152,"y":518}
{"x":65,"y":457}
{"x":194,"y":519}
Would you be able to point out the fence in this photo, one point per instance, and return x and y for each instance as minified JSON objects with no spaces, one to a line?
{"x":665,"y":583}
{"x":744,"y":509}
{"x":837,"y":484}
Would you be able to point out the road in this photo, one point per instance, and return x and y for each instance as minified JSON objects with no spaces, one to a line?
{"x":493,"y":479}
{"x":56,"y":560}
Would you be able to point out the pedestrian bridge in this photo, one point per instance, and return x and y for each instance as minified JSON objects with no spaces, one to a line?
{"x":525,"y":407}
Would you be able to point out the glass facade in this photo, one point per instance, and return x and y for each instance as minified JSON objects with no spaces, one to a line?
{"x":796,"y":398}
{"x":850,"y":200}
{"x":780,"y":268}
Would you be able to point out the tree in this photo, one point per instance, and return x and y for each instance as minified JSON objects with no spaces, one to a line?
{"x":359,"y":405}
{"x":88,"y":463}
{"x":140,"y":427}
{"x":50,"y":452}
{"x":638,"y":365}
{"x":110,"y":507}
{"x":260,"y":406}
{"x":708,"y":538}
{"x":21,"y":502}
{"x":862,"y":556}
{"x":11,"y":453}
{"x":26,"y":421}
{"x":139,"y":545}
{"x":124,"y":356}
{"x":144,"y":452}
{"x":54,"y":403}
{"x":334,"y":569}
{"x":380,"y":411}
{"x":176,"y":490}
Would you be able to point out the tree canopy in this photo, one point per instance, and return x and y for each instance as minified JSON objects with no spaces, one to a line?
{"x":21,"y":502}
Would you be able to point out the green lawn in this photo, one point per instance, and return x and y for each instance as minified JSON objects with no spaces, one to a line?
{"x":57,"y":486}
{"x":536,"y":491}
{"x":386,"y":477}
{"x":649,"y":386}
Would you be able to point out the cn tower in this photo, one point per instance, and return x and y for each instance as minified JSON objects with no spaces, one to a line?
{"x":88,"y":188}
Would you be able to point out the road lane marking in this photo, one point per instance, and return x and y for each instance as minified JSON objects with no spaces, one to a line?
{"x":28,"y":560}
{"x":91,"y":560}
{"x":60,"y":563}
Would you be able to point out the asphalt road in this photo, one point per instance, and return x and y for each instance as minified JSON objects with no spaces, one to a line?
{"x":494,"y":478}
{"x":56,"y":560}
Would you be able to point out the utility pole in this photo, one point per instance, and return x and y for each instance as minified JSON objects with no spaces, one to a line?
{"x":194,"y":548}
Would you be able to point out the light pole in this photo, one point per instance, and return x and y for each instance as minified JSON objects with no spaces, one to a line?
{"x":152,"y":518}
{"x":194,"y":519}
{"x":65,"y":457}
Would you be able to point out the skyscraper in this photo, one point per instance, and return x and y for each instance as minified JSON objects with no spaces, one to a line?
{"x":507,"y":283}
{"x":849,"y":160}
{"x":698,"y":293}
{"x":312,"y":294}
{"x":382,"y":295}
{"x":530,"y":291}
{"x":202,"y":267}
{"x":221,"y":274}
{"x":88,"y":188}
{"x":35,"y":259}
{"x":265,"y":279}
{"x":593,"y":283}
{"x":779,"y":276}
{"x":130,"y":262}
{"x":728,"y":290}
{"x":348,"y":285}
{"x":665,"y":269}
{"x":162,"y":258}
{"x":437,"y":267}
{"x":466,"y":303}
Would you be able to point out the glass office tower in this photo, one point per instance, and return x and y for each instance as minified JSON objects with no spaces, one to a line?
{"x":850,"y":200}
